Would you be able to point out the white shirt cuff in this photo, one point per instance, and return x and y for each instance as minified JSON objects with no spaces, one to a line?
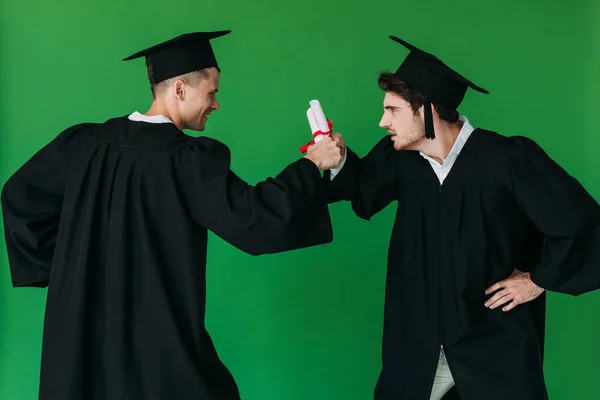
{"x":335,"y":171}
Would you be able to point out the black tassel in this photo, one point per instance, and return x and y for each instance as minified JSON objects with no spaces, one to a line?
{"x":429,"y":133}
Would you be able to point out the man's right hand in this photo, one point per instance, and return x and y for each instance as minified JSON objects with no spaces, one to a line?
{"x":326,"y":154}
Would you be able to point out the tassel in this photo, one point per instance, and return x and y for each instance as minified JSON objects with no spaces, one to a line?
{"x":429,"y":133}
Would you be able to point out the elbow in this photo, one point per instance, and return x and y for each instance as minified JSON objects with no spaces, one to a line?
{"x":4,"y":194}
{"x":361,"y":211}
{"x":365,"y":217}
{"x":253,"y":251}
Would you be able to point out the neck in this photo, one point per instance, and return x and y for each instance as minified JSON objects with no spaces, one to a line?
{"x":445,"y":137}
{"x":159,"y":107}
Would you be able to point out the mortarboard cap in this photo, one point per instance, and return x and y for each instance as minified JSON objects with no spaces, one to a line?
{"x":178,"y":56}
{"x":437,"y":82}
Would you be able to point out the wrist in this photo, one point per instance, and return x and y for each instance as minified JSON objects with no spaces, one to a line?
{"x":309,"y":157}
{"x":535,"y":284}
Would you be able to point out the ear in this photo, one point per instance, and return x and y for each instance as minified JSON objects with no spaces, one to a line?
{"x":422,"y":111}
{"x":179,"y":90}
{"x":433,"y":110}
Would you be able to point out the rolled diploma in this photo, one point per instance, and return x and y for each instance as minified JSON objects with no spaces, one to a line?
{"x":319,"y":118}
{"x":312,"y":121}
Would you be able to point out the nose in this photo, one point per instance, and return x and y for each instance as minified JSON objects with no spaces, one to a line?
{"x":215,"y":105}
{"x":383,"y":122}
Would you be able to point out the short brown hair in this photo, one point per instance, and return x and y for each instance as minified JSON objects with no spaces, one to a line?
{"x":192,"y":78}
{"x":390,"y":84}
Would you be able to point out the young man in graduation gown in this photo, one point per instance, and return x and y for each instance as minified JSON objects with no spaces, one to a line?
{"x":484,"y":224}
{"x":113,"y":218}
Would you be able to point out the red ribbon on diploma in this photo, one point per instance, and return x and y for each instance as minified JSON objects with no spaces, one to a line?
{"x":304,"y":148}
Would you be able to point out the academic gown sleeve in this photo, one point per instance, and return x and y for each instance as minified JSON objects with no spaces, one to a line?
{"x":283,"y":213}
{"x":563,"y":211}
{"x":369,"y":183}
{"x":31,"y":206}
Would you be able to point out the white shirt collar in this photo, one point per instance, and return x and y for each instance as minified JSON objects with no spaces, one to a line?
{"x":152,"y":119}
{"x":461,"y":139}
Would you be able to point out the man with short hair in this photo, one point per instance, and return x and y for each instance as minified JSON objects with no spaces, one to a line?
{"x":113,"y":218}
{"x":484,"y":224}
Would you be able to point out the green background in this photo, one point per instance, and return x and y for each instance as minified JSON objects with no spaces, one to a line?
{"x":305,"y":325}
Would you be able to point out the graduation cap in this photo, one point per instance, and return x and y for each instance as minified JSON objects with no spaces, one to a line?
{"x":436,"y":81}
{"x":180,"y":55}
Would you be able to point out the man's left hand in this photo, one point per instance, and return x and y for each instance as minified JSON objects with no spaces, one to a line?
{"x":517,"y":289}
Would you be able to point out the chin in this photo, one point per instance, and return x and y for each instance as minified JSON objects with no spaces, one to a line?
{"x":399,"y":145}
{"x":199,"y":127}
{"x":408,"y":143}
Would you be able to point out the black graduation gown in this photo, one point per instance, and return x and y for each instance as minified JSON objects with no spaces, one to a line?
{"x":505,"y":204}
{"x":113,"y":218}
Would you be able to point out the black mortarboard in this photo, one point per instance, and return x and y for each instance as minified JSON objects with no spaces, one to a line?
{"x":429,"y":76}
{"x":178,"y":56}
